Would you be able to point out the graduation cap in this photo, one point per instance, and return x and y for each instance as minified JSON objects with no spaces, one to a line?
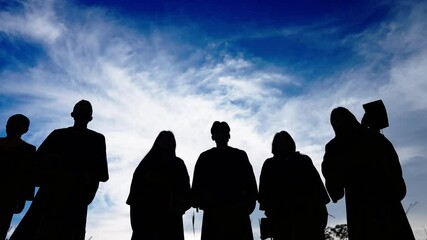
{"x":375,"y":115}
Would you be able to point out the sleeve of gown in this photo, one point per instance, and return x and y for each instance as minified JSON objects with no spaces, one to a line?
{"x":28,"y":172}
{"x":265,"y":185}
{"x":251,"y":187}
{"x":394,"y":182}
{"x":183,"y":188}
{"x":196,"y":186}
{"x":331,"y":173}
{"x":102,"y":161}
{"x":46,"y":160}
{"x":319,"y":191}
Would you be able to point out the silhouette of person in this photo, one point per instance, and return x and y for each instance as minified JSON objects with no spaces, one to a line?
{"x":71,"y":163}
{"x":16,"y":165}
{"x":292,"y":193}
{"x":224,"y":187}
{"x":364,"y":165}
{"x":159,"y":193}
{"x":391,"y":185}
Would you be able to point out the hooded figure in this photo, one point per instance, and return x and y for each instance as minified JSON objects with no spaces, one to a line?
{"x":292,"y":193}
{"x":224,"y":187}
{"x":364,"y":165}
{"x":159,"y":193}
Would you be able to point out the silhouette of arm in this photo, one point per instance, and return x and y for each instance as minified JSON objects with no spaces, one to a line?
{"x":320,"y":196}
{"x":137,"y":185}
{"x":28,"y":172}
{"x":394,"y":183}
{"x":25,"y":185}
{"x":251,"y":187}
{"x":197,"y":185}
{"x":46,"y":160}
{"x":103,"y":175}
{"x":266,"y":186}
{"x":332,"y":171}
{"x":182,"y":188}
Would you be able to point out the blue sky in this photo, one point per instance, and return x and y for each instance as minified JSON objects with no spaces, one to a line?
{"x":262,"y":66}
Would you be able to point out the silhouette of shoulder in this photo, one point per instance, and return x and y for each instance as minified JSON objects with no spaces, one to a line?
{"x":298,"y":158}
{"x":16,"y":165}
{"x":22,"y":144}
{"x":21,"y":150}
{"x":226,"y":149}
{"x":70,"y":130}
{"x":180,"y":162}
{"x":332,"y":144}
{"x":215,"y":151}
{"x":28,"y":146}
{"x":335,"y":151}
{"x":72,"y":137}
{"x":74,"y":144}
{"x":268,"y":162}
{"x":303,"y":158}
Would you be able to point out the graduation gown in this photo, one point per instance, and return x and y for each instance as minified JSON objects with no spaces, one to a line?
{"x":71,"y":163}
{"x":224,"y":187}
{"x":294,"y":198}
{"x":366,"y":167}
{"x":16,"y":179}
{"x":159,"y":196}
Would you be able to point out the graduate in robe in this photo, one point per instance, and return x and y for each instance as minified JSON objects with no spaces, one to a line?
{"x":292,"y":193}
{"x":71,"y":162}
{"x":362,"y":165}
{"x":159,"y":193}
{"x":224,"y":187}
{"x":16,"y":166}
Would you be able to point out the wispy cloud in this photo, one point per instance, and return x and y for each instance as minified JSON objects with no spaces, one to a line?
{"x":38,"y":21}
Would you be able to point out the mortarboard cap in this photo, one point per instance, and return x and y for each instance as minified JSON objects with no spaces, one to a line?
{"x":375,"y":115}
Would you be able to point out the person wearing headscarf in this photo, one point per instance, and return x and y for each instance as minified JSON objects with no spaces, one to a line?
{"x":159,"y":193}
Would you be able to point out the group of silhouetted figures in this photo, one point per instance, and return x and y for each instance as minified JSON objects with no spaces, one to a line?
{"x":67,"y":167}
{"x":359,"y":162}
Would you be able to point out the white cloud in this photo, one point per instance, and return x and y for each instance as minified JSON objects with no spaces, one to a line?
{"x":37,"y":21}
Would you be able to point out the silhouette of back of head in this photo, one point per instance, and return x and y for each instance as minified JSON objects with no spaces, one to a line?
{"x":17,"y":125}
{"x":343,"y":121}
{"x":220,"y":132}
{"x":165,"y":143}
{"x":82,"y":111}
{"x":283,"y":144}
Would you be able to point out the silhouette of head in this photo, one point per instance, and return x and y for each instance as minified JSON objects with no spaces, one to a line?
{"x":17,"y":125}
{"x":283,"y":144}
{"x":343,"y":121}
{"x":220,"y":132}
{"x":82,"y":112}
{"x":164,"y":144}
